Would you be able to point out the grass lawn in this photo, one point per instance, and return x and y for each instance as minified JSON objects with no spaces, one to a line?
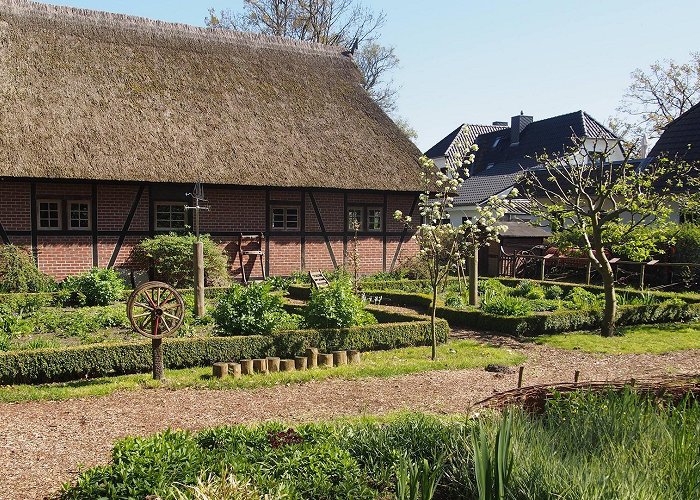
{"x":651,"y":339}
{"x":454,"y":355}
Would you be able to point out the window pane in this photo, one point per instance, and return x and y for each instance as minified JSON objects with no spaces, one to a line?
{"x":292,"y":218}
{"x":374,"y":219}
{"x":49,"y":215}
{"x":354,"y":219}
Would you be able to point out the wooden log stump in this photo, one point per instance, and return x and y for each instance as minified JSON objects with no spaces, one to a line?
{"x":300,"y":363}
{"x":340,"y":358}
{"x":273,"y":364}
{"x":287,"y":365}
{"x":220,"y":370}
{"x":234,"y":369}
{"x":260,"y":365}
{"x":247,"y":366}
{"x":311,"y":357}
{"x":325,"y":360}
{"x":354,"y":357}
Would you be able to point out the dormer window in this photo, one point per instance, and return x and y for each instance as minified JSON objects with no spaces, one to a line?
{"x":495,"y":143}
{"x":489,"y":166}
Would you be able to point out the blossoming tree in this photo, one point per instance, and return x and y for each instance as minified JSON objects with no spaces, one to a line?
{"x":442,"y":245}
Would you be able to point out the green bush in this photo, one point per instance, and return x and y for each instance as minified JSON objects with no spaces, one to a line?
{"x":96,"y":360}
{"x":507,"y":305}
{"x":553,"y":292}
{"x":250,"y":310}
{"x":97,"y":287}
{"x":170,"y":257}
{"x":578,"y":298}
{"x":336,"y":306}
{"x":19,"y":274}
{"x":687,"y":250}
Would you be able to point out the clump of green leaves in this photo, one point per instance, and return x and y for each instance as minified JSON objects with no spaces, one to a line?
{"x":97,"y":287}
{"x":250,"y":310}
{"x":336,"y":306}
{"x":506,"y":305}
{"x":19,"y":274}
{"x":553,"y":292}
{"x":579,"y":298}
{"x":170,"y":257}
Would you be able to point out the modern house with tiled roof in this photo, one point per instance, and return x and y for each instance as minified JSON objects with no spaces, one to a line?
{"x":504,"y":152}
{"x":681,"y":137}
{"x":107,"y":121}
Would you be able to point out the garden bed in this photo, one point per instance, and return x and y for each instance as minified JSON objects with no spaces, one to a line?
{"x":95,"y":360}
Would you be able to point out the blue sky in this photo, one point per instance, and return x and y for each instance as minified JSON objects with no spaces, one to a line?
{"x":477,"y":62}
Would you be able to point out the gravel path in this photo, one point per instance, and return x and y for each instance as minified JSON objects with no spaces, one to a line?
{"x":45,"y":442}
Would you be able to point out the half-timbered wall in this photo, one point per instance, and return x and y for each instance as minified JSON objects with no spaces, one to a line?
{"x":123,"y":214}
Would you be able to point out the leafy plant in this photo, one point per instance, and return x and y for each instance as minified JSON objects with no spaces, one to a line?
{"x":248,"y":310}
{"x":336,"y":306}
{"x":19,"y":274}
{"x":493,"y":464}
{"x":506,"y":305}
{"x":416,"y":481}
{"x":553,"y":292}
{"x":170,"y":258}
{"x":579,"y":298}
{"x":687,"y":250}
{"x":97,"y":287}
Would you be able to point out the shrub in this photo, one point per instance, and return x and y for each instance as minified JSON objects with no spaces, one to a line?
{"x":170,"y":258}
{"x":19,"y":274}
{"x":248,"y":310}
{"x":336,"y":306}
{"x":578,"y":298}
{"x":97,"y":287}
{"x":553,"y":292}
{"x":507,"y":305}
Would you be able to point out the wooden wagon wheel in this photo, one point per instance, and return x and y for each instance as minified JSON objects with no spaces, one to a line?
{"x":155,"y":310}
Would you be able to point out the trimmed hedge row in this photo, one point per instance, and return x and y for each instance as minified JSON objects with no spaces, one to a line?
{"x":547,"y":323}
{"x":73,"y":363}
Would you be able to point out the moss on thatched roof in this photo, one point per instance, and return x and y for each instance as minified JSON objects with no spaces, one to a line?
{"x":92,"y":95}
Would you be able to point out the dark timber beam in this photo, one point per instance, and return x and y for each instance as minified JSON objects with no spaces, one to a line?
{"x":125,"y":227}
{"x":323,"y":229}
{"x":32,"y":215}
{"x":93,"y":216}
{"x":403,"y":235}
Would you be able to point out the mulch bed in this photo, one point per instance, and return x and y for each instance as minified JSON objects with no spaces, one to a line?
{"x":45,"y":442}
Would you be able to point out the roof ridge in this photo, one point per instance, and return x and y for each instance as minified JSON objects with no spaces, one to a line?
{"x":91,"y":17}
{"x":590,"y":117}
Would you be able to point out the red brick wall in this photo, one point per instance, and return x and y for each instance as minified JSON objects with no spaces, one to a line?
{"x":232,"y":210}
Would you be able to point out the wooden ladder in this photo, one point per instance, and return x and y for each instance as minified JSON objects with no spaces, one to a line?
{"x":255,"y":252}
{"x":318,"y":280}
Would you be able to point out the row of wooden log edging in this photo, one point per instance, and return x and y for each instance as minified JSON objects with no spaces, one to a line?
{"x":272,"y":364}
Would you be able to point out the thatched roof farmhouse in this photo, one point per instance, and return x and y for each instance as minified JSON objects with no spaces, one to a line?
{"x":107,"y":120}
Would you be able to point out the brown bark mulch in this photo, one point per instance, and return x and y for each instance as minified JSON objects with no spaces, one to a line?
{"x":45,"y":442}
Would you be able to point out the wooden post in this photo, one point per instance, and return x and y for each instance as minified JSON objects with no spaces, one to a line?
{"x":542,"y":263}
{"x":300,"y":363}
{"x":340,"y":358}
{"x":287,"y":365}
{"x":234,"y":369}
{"x":199,"y":307}
{"x":220,"y":370}
{"x":260,"y":365}
{"x":247,"y":366}
{"x":520,"y":376}
{"x":576,"y":376}
{"x":353,"y":357}
{"x":273,"y":364}
{"x":474,"y":278}
{"x":588,"y":273}
{"x":641,"y":276}
{"x":312,"y":357}
{"x":325,"y":360}
{"x":158,"y":367}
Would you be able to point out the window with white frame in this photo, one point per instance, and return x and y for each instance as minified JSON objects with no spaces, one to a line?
{"x":285,"y":218}
{"x":374,"y":219}
{"x":355,"y":219}
{"x":170,"y":216}
{"x":49,"y":214}
{"x":79,"y":215}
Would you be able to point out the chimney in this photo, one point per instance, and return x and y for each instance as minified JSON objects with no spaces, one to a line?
{"x":500,"y":124}
{"x":517,"y":125}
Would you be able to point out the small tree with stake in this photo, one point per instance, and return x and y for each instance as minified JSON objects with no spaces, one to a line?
{"x":605,"y":204}
{"x":437,"y":238}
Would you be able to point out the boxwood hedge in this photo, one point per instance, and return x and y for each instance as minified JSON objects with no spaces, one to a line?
{"x":72,"y":363}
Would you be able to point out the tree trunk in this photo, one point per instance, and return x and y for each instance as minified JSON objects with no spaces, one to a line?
{"x":607,"y":329}
{"x":432,"y":322}
{"x":474,"y":278}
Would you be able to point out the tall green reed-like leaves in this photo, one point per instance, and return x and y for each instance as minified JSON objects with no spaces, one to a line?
{"x":493,"y":466}
{"x":417,"y":481}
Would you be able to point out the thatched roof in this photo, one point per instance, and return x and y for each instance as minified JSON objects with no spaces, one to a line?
{"x":92,"y":95}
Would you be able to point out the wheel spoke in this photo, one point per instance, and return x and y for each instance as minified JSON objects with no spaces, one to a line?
{"x":141,"y":315}
{"x":165,"y":298}
{"x":176,"y":318}
{"x":172,"y":305}
{"x":143,"y":305}
{"x":165,"y":323}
